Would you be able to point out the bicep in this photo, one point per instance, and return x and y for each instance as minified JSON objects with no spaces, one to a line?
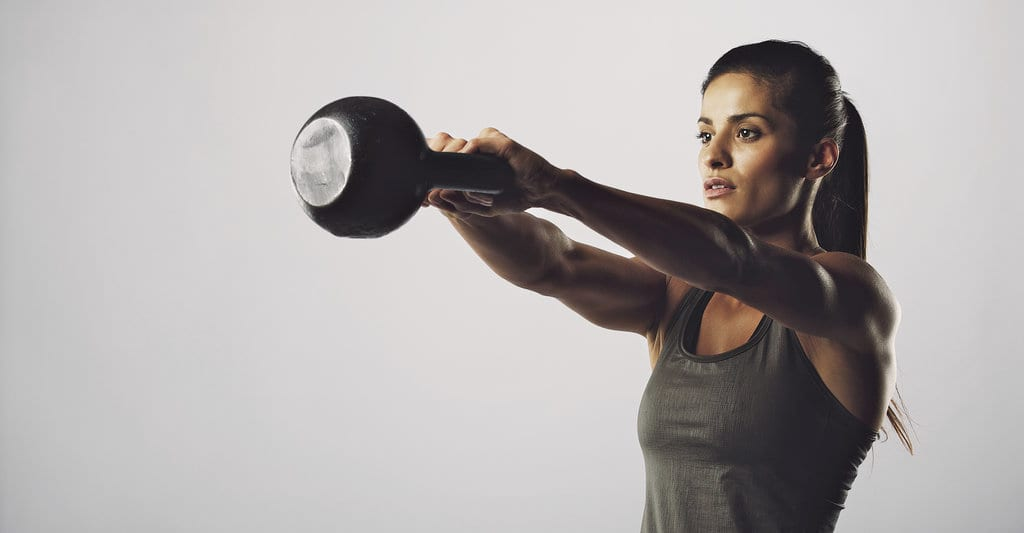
{"x":608,"y":289}
{"x":834,"y":295}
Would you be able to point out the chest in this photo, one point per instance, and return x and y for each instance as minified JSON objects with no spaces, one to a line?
{"x":739,"y":408}
{"x":721,"y":325}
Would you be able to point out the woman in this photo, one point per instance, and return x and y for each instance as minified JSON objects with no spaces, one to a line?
{"x":771,"y":338}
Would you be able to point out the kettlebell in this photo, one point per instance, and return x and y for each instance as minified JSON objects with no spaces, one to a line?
{"x":361,"y":168}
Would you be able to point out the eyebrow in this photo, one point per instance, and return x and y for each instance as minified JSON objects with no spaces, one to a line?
{"x":736,"y":118}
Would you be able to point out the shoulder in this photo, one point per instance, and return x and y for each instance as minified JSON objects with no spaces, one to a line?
{"x":866,"y":298}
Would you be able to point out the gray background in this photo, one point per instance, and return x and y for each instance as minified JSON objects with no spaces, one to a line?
{"x":181,"y":349}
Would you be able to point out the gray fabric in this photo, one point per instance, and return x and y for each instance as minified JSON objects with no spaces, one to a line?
{"x":747,"y":440}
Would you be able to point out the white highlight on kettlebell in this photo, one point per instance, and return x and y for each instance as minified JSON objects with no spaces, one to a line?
{"x":321,"y":161}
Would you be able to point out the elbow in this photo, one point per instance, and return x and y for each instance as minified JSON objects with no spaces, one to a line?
{"x":539,"y":284}
{"x":547,"y":284}
{"x":554,"y":267}
{"x":546,"y":279}
{"x":737,"y":265}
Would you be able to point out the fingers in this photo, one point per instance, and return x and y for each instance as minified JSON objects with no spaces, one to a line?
{"x":491,"y":132}
{"x":492,"y":141}
{"x":460,"y":203}
{"x":446,"y":207}
{"x":442,"y":142}
{"x":459,"y":200}
{"x":455,"y":203}
{"x":480,"y":198}
{"x":437,"y":142}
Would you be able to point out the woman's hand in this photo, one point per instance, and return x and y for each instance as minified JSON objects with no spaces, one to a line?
{"x":534,"y":177}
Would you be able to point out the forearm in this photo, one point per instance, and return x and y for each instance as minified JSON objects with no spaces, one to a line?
{"x":519,"y":247}
{"x":698,"y":245}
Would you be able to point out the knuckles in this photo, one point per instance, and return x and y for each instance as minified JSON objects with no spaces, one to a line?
{"x":498,"y":140}
{"x":443,"y":141}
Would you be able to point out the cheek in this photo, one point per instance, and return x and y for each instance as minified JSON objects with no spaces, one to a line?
{"x":766,"y":163}
{"x":765,"y":175}
{"x":759,"y":161}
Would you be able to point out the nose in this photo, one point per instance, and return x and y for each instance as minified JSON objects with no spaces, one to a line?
{"x":715,"y":154}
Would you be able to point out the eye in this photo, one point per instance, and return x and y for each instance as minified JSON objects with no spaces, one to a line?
{"x":747,"y":133}
{"x":704,"y":137}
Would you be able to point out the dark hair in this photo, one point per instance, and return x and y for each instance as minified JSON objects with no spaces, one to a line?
{"x":804,"y":85}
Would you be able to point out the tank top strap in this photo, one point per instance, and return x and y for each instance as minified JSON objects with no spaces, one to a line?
{"x":679,"y":319}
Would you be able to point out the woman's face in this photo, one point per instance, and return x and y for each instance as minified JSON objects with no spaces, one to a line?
{"x":751,"y":144}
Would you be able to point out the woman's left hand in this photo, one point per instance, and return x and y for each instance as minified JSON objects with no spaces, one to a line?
{"x":535,"y":178}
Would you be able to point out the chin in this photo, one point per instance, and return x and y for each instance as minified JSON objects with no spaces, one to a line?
{"x":716,"y":207}
{"x":728,"y":213}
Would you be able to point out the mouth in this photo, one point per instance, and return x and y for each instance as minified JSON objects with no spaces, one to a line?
{"x":718,"y":183}
{"x":717,"y":192}
{"x":715,"y":187}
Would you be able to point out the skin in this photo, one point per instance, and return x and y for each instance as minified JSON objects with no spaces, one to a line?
{"x":775,"y":182}
{"x":755,"y":247}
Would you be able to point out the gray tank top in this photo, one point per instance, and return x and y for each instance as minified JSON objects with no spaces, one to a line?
{"x":747,"y":440}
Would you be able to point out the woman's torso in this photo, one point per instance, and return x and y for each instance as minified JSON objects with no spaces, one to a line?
{"x":858,"y":381}
{"x":738,"y":431}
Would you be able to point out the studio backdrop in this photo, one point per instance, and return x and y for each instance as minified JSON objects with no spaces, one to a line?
{"x":183,"y":350}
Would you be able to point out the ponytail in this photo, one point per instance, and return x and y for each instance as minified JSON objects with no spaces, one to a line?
{"x":840,"y":212}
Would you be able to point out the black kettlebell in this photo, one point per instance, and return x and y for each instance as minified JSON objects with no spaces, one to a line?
{"x":361,"y":168}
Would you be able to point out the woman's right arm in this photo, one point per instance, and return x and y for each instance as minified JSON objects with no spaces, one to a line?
{"x":607,"y":289}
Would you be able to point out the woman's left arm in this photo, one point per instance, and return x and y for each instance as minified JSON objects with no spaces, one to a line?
{"x":834,"y":294}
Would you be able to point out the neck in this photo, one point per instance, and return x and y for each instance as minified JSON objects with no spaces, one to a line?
{"x":792,"y":231}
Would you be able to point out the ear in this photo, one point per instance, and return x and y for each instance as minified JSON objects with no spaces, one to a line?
{"x":823,"y":158}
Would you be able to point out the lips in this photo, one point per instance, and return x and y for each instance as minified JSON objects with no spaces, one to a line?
{"x":711,"y":182}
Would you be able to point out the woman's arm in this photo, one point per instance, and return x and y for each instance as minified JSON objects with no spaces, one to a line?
{"x":834,"y":294}
{"x":701,"y":246}
{"x":519,"y":247}
{"x":607,"y":289}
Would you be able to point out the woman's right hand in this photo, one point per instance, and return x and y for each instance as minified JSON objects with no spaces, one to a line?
{"x":454,"y":204}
